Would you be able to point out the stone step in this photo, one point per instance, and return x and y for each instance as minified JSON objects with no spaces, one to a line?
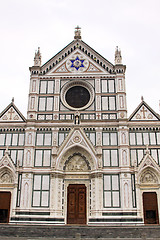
{"x":79,"y":232}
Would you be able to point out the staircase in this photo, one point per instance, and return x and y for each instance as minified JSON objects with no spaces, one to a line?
{"x":8,"y":231}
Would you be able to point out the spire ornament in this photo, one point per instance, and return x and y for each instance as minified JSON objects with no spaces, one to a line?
{"x":77,"y":33}
{"x":37,"y":58}
{"x":118,"y":57}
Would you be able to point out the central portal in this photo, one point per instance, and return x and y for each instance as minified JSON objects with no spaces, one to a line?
{"x":76,"y":204}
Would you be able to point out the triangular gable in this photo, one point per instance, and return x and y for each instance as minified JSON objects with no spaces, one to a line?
{"x":148,"y":170}
{"x":144,"y":113}
{"x":77,"y":62}
{"x":11,"y":114}
{"x":7,"y":169}
{"x":147,"y":161}
{"x":96,"y":61}
{"x":6,"y":162}
{"x":76,"y":137}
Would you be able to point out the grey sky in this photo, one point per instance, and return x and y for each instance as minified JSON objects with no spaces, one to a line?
{"x":133,"y":25}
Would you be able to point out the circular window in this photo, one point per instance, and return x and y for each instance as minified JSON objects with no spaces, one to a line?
{"x":77,"y":95}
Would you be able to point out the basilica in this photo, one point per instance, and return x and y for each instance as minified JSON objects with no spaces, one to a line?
{"x":78,"y":158}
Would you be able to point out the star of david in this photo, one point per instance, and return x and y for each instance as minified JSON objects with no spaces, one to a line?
{"x":77,"y":63}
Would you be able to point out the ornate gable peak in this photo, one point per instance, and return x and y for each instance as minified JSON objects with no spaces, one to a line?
{"x":6,"y":162}
{"x":11,"y":114}
{"x":85,"y":49}
{"x":148,"y":162}
{"x":144,"y":113}
{"x":77,"y":137}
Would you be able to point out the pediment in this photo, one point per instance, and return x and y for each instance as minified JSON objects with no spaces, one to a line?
{"x":77,"y":137}
{"x":144,"y":113}
{"x":148,"y":162}
{"x":77,"y":57}
{"x":77,"y":142}
{"x":7,"y":169}
{"x":77,"y":62}
{"x":11,"y":114}
{"x":148,"y":171}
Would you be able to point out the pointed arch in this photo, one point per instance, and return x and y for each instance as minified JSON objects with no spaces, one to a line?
{"x":148,"y":176}
{"x":76,"y":151}
{"x":6,"y":176}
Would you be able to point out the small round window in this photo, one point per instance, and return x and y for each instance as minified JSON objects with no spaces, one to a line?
{"x":77,"y":96}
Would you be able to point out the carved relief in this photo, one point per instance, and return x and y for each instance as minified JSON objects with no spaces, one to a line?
{"x":148,"y":177}
{"x":62,"y":69}
{"x":6,"y":178}
{"x":76,"y":163}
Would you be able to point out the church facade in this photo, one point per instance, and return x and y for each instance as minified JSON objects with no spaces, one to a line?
{"x":77,"y":158}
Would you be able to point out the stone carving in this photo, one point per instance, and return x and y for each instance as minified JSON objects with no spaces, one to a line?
{"x":138,"y":116}
{"x":4,"y":117}
{"x":148,"y":177}
{"x":92,"y":68}
{"x":16,"y":117}
{"x":77,"y":139}
{"x":76,"y":162}
{"x":122,"y":115}
{"x":5,"y":178}
{"x":62,"y":69}
{"x":150,"y":116}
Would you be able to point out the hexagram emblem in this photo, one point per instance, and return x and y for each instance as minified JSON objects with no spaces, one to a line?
{"x":77,"y":63}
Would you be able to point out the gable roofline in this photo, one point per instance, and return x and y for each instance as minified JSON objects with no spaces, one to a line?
{"x":102,"y":62}
{"x":58,"y":53}
{"x":15,"y":108}
{"x":98,"y":54}
{"x":147,"y":106}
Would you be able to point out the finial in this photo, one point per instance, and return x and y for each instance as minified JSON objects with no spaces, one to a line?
{"x":77,"y":33}
{"x":147,"y":149}
{"x":118,"y":57}
{"x":37,"y":58}
{"x":12,"y":99}
{"x":142,"y":98}
{"x":6,"y":151}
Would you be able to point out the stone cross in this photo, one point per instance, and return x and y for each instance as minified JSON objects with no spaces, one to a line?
{"x":143,"y":112}
{"x":11,"y":112}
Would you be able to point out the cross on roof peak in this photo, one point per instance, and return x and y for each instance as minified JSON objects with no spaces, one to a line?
{"x":77,"y":33}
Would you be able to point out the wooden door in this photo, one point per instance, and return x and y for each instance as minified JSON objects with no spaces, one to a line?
{"x":76,"y":204}
{"x":150,"y":208}
{"x":5,"y":200}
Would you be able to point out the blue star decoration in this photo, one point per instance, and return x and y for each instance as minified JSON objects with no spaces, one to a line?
{"x":77,"y":63}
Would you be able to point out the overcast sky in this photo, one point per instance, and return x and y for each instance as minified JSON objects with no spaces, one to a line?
{"x":133,"y":25}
